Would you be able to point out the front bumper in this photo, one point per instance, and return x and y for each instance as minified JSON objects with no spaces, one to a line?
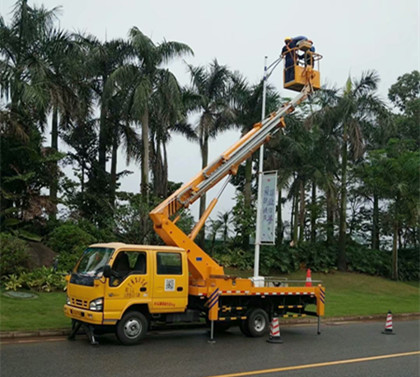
{"x":83,"y":315}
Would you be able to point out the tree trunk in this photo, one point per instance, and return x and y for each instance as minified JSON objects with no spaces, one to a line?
{"x":102,"y":136}
{"x":296,"y":219}
{"x":157,"y":168}
{"x":114,"y":158}
{"x":54,"y":148}
{"x":375,"y":222}
{"x":395,"y":249}
{"x":204,"y":146}
{"x":330,"y":217}
{"x":144,"y":187}
{"x":292,"y":217}
{"x":342,"y":262}
{"x":313,"y":213}
{"x":280,"y":229}
{"x":165,"y":172}
{"x":302,"y":211}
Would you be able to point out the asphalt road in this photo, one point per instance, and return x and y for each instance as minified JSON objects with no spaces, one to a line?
{"x":357,"y":349}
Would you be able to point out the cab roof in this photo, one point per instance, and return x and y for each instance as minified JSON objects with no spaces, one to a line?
{"x":121,"y":245}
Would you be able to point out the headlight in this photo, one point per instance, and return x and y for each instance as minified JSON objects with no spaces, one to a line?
{"x":97,"y":305}
{"x":68,"y":301}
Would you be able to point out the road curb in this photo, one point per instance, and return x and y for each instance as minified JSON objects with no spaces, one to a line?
{"x":326,"y":321}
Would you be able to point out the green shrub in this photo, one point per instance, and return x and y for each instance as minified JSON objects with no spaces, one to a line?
{"x":42,"y":279}
{"x":13,"y":255}
{"x":368,"y":261}
{"x":409,"y":264}
{"x":69,"y":240}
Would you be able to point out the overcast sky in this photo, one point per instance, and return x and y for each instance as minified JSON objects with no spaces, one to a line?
{"x":353,"y":36}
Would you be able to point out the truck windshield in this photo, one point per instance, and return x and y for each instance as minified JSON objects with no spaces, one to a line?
{"x":93,"y":261}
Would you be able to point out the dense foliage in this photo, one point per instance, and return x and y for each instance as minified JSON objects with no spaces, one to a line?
{"x":348,"y":164}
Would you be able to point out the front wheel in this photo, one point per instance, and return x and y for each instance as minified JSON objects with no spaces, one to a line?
{"x":132,"y":328}
{"x":256,"y":324}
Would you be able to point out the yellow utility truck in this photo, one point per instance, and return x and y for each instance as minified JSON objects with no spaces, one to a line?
{"x":126,"y":288}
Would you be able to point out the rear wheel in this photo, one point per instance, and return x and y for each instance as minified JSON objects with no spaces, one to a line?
{"x":132,"y":328}
{"x":256,"y":324}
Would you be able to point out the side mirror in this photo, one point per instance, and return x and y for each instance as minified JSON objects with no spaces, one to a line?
{"x":107,"y":271}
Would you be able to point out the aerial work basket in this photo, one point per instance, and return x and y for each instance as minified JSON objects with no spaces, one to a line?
{"x":302,"y":71}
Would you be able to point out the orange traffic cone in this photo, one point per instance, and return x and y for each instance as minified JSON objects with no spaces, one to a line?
{"x":275,"y":332}
{"x":388,"y":324}
{"x":308,"y":278}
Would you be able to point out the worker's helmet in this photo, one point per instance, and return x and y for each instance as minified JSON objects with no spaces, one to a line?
{"x":287,"y":39}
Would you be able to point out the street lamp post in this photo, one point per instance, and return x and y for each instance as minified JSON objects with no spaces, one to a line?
{"x":267,"y":73}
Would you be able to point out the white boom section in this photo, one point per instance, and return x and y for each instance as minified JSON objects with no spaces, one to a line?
{"x":269,"y":127}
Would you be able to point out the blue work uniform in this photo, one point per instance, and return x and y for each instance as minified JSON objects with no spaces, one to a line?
{"x":290,"y":56}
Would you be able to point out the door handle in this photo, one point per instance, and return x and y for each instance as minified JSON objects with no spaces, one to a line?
{"x":180,"y":289}
{"x":143,"y":289}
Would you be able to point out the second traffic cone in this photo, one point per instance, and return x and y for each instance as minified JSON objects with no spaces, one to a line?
{"x":388,"y":325}
{"x":275,"y":332}
{"x":308,"y":278}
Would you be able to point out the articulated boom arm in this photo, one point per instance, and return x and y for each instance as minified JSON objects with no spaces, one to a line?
{"x":201,"y":265}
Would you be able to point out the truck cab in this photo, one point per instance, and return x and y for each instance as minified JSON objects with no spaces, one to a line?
{"x":113,"y":281}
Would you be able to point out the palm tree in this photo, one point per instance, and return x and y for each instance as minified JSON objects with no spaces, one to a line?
{"x":224,"y":219}
{"x":215,"y":226}
{"x":36,"y":75}
{"x":209,"y":96}
{"x":146,"y":74}
{"x":21,"y":48}
{"x":355,"y":105}
{"x":103,"y":60}
{"x":168,"y":115}
{"x":325,"y":155}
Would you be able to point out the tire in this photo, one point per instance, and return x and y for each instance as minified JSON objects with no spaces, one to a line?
{"x":256,"y":324}
{"x":244,"y":328}
{"x":132,"y":328}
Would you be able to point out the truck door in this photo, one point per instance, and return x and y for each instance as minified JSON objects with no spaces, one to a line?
{"x":129,"y":284}
{"x":170,"y":286}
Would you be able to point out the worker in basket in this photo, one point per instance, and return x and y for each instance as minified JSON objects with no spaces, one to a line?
{"x":289,"y":53}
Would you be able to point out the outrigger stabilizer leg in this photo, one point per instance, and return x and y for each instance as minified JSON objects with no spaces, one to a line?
{"x":211,"y":340}
{"x":319,"y":325}
{"x":75,"y":327}
{"x":90,"y":334}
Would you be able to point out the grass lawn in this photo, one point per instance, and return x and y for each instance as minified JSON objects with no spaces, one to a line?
{"x":44,"y":312}
{"x":346,"y":294}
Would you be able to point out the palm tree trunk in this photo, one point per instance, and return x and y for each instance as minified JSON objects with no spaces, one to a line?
{"x":102,"y":138}
{"x":295,"y":219}
{"x":204,"y":146}
{"x":54,"y":148}
{"x":395,"y":247}
{"x":144,"y":187}
{"x":292,"y":216}
{"x":342,"y":262}
{"x":330,"y":217}
{"x":280,"y":229}
{"x":302,"y":211}
{"x":114,"y":157}
{"x":165,"y":171}
{"x":313,"y":213}
{"x":375,"y":222}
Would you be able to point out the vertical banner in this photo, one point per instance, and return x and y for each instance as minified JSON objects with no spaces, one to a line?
{"x":269,"y":199}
